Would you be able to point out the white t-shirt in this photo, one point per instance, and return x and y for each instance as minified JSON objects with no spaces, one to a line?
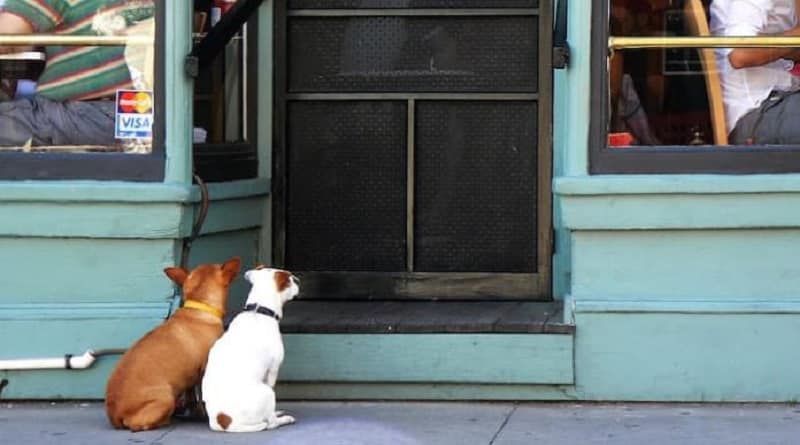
{"x":744,"y":89}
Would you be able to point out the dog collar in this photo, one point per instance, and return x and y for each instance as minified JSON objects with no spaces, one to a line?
{"x":207,"y":308}
{"x":262,"y":310}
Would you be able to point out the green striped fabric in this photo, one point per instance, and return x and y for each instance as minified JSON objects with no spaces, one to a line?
{"x":81,"y":72}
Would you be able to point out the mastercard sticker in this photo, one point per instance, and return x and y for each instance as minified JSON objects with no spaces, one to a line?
{"x":134,"y":116}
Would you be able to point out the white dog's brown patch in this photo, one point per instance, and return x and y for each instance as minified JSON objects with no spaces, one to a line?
{"x":283,"y":280}
{"x":224,"y":420}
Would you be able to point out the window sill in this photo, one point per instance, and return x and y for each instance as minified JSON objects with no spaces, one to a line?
{"x":669,"y":202}
{"x":87,"y":209}
{"x":120,"y":192}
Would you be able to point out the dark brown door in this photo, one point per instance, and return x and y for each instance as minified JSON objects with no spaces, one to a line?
{"x":413,"y":148}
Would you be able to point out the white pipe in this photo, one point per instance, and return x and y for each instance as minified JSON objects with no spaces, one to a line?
{"x":66,"y":362}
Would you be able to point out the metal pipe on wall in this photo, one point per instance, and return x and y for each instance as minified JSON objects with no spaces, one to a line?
{"x":68,"y":361}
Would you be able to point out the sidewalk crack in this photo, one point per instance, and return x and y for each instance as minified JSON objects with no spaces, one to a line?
{"x":503,"y":425}
{"x":157,"y":440}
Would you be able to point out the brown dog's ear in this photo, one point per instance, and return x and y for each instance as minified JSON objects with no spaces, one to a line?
{"x":231,"y":268}
{"x":177,"y":274}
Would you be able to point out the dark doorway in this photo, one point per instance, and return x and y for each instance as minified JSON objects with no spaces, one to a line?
{"x":413,"y":148}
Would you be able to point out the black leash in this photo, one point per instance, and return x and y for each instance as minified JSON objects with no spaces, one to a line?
{"x":198,"y":221}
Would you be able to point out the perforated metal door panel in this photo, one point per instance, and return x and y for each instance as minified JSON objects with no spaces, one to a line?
{"x":346,"y":207}
{"x":421,"y":54}
{"x":475,"y":207}
{"x":348,"y":4}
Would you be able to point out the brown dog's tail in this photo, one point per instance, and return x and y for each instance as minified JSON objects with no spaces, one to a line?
{"x":224,"y":420}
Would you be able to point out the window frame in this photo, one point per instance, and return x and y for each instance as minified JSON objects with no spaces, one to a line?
{"x":230,"y":161}
{"x":664,"y":159}
{"x":104,"y":166}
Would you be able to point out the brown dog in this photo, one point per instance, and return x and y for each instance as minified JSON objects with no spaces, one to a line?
{"x":168,"y":360}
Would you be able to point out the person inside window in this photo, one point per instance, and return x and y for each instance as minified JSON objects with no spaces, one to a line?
{"x":759,"y":86}
{"x":627,"y":113}
{"x":74,"y":99}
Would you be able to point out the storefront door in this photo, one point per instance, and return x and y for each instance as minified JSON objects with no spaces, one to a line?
{"x":413,"y":148}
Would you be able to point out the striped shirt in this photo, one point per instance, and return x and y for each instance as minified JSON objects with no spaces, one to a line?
{"x":82,"y":72}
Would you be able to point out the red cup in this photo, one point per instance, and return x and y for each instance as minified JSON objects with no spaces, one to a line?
{"x":622,"y":139}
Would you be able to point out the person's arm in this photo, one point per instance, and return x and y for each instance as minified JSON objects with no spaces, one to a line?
{"x":749,"y":18}
{"x":746,"y":57}
{"x":13,"y":24}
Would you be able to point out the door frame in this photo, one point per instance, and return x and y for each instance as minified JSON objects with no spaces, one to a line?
{"x":422,"y":285}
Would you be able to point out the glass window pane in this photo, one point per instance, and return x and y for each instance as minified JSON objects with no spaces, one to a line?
{"x":221,"y":92}
{"x":733,"y":97}
{"x":92,"y":97}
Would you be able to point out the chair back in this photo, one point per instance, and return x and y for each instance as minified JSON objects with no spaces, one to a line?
{"x":697,"y":24}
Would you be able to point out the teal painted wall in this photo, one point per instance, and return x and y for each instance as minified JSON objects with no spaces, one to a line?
{"x":83,"y":268}
{"x":688,"y":355}
{"x":571,"y":111}
{"x":83,"y":260}
{"x":50,"y":331}
{"x":698,"y":265}
{"x":684,"y":287}
{"x":442,"y":358}
{"x":681,"y":287}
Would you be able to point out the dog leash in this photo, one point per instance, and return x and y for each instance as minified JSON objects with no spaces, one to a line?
{"x":187,"y":242}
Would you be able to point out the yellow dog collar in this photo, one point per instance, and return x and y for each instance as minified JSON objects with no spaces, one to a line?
{"x":191,"y":304}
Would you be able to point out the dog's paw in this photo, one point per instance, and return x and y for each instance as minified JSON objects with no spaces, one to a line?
{"x":280,"y":420}
{"x":286,"y":420}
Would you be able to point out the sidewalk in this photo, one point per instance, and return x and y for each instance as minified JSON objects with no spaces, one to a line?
{"x":431,"y":423}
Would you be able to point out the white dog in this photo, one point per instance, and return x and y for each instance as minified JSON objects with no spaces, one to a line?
{"x":243,"y":364}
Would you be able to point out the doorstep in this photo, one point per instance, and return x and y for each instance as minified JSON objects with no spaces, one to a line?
{"x":426,"y":342}
{"x":423,"y":317}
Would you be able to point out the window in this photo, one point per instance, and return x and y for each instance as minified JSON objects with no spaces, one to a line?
{"x":81,"y":90}
{"x":225,"y":100}
{"x":668,"y":98}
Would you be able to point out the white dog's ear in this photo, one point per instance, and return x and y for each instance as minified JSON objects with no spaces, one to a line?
{"x":249,"y":276}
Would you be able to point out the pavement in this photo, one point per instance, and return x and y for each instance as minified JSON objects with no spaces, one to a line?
{"x":407,"y":423}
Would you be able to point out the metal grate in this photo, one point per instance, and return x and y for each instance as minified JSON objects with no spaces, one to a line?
{"x":353,"y":4}
{"x":476,"y":185}
{"x":421,"y":54}
{"x":346,"y":202}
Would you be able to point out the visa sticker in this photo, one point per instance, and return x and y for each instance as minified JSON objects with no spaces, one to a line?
{"x":134,"y":115}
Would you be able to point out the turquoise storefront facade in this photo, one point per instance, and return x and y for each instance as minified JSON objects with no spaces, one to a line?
{"x":680,"y":287}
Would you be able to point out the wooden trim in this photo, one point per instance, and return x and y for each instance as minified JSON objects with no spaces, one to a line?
{"x":424,"y":317}
{"x":544,"y":163}
{"x":279,"y":161}
{"x":424,"y":286}
{"x":697,"y":23}
{"x":410,"y":12}
{"x":411,"y":147}
{"x":98,"y":166}
{"x":429,"y":358}
{"x":410,"y":95}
